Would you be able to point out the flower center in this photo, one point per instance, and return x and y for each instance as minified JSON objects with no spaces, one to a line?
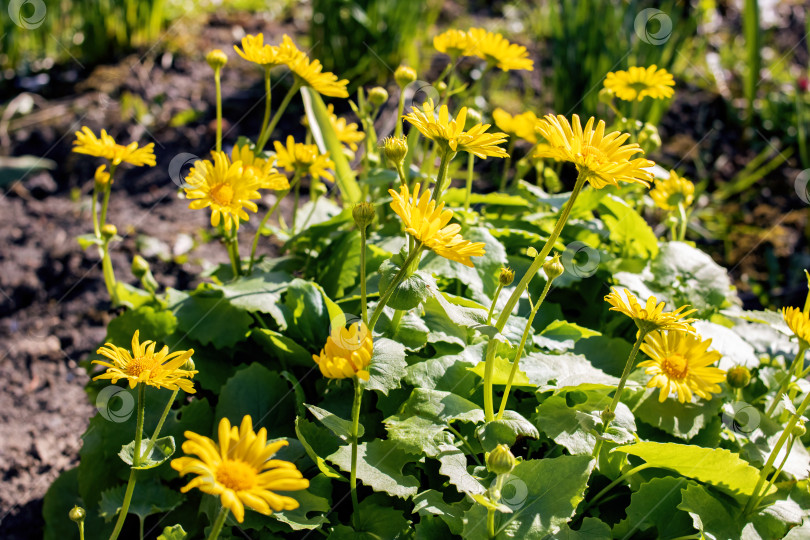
{"x":236,"y":475}
{"x":675,"y":198}
{"x":592,"y":155}
{"x":222,"y":194}
{"x":675,"y":366}
{"x":639,"y":86}
{"x":140,"y":364}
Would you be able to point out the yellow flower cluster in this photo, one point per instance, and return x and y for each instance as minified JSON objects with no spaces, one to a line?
{"x":489,"y":46}
{"x":675,"y":190}
{"x":304,"y":158}
{"x":638,"y":82}
{"x":105,"y":147}
{"x":520,"y":125}
{"x":347,"y":352}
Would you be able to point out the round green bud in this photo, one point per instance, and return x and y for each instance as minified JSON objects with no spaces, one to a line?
{"x":507,"y":276}
{"x":738,"y":377}
{"x":108,"y":231}
{"x":441,"y":86}
{"x":377,"y":96}
{"x":139,"y":266}
{"x":189,"y":365}
{"x":799,"y":429}
{"x":363,"y":214}
{"x":606,"y":95}
{"x":531,"y":252}
{"x":404,"y":76}
{"x":648,"y":138}
{"x":216,"y":59}
{"x":77,"y":514}
{"x":607,"y":416}
{"x":553,"y":267}
{"x":395,"y":149}
{"x":501,"y":460}
{"x":473,"y":118}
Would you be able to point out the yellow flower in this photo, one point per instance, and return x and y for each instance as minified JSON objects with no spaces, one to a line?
{"x":303,"y":158}
{"x":255,"y":50}
{"x":102,"y":176}
{"x":652,"y":316}
{"x":798,"y":322}
{"x":497,"y":50}
{"x":347,"y":352}
{"x":679,"y":362}
{"x":310,"y":72}
{"x":453,"y":43}
{"x":520,"y":125}
{"x":604,"y":159}
{"x":346,"y":133}
{"x":638,"y":83}
{"x":428,"y":224}
{"x":675,"y":190}
{"x":450,"y":133}
{"x":262,"y":169}
{"x":240,"y":470}
{"x":224,"y":187}
{"x":87,"y":143}
{"x":159,"y":369}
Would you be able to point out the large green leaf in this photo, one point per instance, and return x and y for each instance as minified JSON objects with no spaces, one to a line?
{"x":454,"y":466}
{"x":718,"y":467}
{"x":341,"y":266}
{"x":313,"y":505}
{"x":162,"y":450}
{"x":149,"y":497}
{"x":154,"y":324}
{"x":337,"y":425}
{"x":505,"y":431}
{"x":683,"y":420}
{"x":327,"y":141}
{"x":207,"y":316}
{"x":379,"y":466}
{"x":709,"y":515}
{"x":627,"y":228}
{"x":287,"y":350}
{"x":387,"y":366}
{"x":430,"y":502}
{"x":591,"y":529}
{"x":450,"y":372}
{"x":261,"y":291}
{"x":550,"y":371}
{"x":655,"y":505}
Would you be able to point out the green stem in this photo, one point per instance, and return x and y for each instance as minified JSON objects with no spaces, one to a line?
{"x":400,"y":110}
{"x":777,"y":473}
{"x":218,"y":524}
{"x":441,"y":178}
{"x":94,"y":210}
{"x":778,"y":446}
{"x":797,"y":361}
{"x":218,"y":84}
{"x":683,"y":222}
{"x":267,"y":101}
{"x":393,"y":285}
{"x":109,"y":273}
{"x":358,"y":397}
{"x":296,"y":197}
{"x":395,"y":320}
{"x":518,"y":291}
{"x":613,"y":484}
{"x":628,"y":367}
{"x":464,"y":441}
{"x":507,"y":163}
{"x":519,"y":352}
{"x":491,"y":522}
{"x":266,"y":217}
{"x":276,"y":117}
{"x":363,"y":292}
{"x":106,"y":202}
{"x":156,"y":433}
{"x":140,"y":526}
{"x":136,"y":461}
{"x":468,"y":193}
{"x":494,"y":301}
{"x":81,"y":530}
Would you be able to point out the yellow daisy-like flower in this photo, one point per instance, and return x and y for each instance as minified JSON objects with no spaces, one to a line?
{"x":262,"y":169}
{"x":496,"y":49}
{"x":637,"y":83}
{"x":675,"y":190}
{"x":651,"y":316}
{"x":240,"y":469}
{"x":520,"y":125}
{"x":225,"y":188}
{"x":310,"y":72}
{"x":679,"y":362}
{"x":450,"y":133}
{"x":453,"y":43}
{"x":255,"y":50}
{"x":144,"y":365}
{"x":303,"y":158}
{"x":428,"y":224}
{"x":346,"y":132}
{"x":798,"y":322}
{"x":102,"y":175}
{"x":604,"y":159}
{"x":87,"y":143}
{"x":347,"y":352}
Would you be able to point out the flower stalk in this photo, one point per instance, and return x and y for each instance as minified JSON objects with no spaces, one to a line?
{"x":265,"y":135}
{"x":136,"y":462}
{"x":398,"y":278}
{"x":218,"y":524}
{"x":358,"y":397}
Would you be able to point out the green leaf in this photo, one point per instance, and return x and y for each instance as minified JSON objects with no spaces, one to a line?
{"x":682,"y":420}
{"x":549,"y":371}
{"x":307,"y":314}
{"x":449,"y":372}
{"x":430,"y":502}
{"x":175,"y":532}
{"x":571,"y":418}
{"x":287,"y":350}
{"x":655,"y":505}
{"x":715,"y":466}
{"x":264,"y":395}
{"x":387,"y":366}
{"x":337,"y":425}
{"x":378,"y":521}
{"x":62,"y":495}
{"x":412,"y":331}
{"x":163,"y":450}
{"x":313,"y":500}
{"x":456,"y":197}
{"x":454,"y":466}
{"x":132,"y":297}
{"x":89,"y":239}
{"x":321,"y":128}
{"x":735,"y":350}
{"x":444,"y":406}
{"x":318,"y":442}
{"x":505,"y":431}
{"x":709,"y":515}
{"x":261,"y":291}
{"x":411,"y":292}
{"x":500,"y":373}
{"x":417,"y":434}
{"x":460,"y":311}
{"x":566,"y":333}
{"x":208,"y":317}
{"x":628,"y":229}
{"x":341,"y":266}
{"x":591,"y":529}
{"x":543,"y":495}
{"x":379,"y":466}
{"x":153,"y":324}
{"x":149,"y":497}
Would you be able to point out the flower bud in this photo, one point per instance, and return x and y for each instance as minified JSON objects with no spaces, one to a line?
{"x":738,"y":377}
{"x":606,"y":95}
{"x":648,"y":138}
{"x":473,"y":118}
{"x":404,"y":76}
{"x":553,"y":268}
{"x":441,"y":86}
{"x":363,"y":214}
{"x":102,"y":176}
{"x":506,"y":277}
{"x":799,"y":429}
{"x":377,"y":96}
{"x":216,"y":59}
{"x":501,"y":460}
{"x":77,"y":514}
{"x":531,"y":252}
{"x":140,"y":266}
{"x":108,"y":231}
{"x":189,"y":365}
{"x":395,"y":149}
{"x":607,"y":416}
